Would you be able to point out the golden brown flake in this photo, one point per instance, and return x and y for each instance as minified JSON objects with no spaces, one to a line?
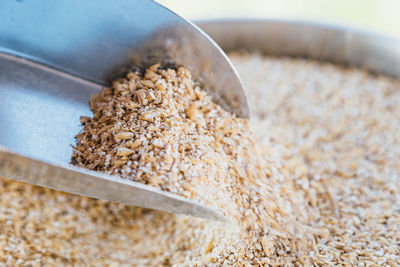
{"x":124,"y":135}
{"x":123,"y":151}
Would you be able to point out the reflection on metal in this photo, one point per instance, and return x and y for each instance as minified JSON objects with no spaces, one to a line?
{"x":101,"y":40}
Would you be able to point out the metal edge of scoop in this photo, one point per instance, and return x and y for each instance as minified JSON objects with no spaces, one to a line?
{"x":101,"y":40}
{"x":97,"y":185}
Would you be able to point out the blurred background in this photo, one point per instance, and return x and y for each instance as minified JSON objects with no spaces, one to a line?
{"x":376,"y":15}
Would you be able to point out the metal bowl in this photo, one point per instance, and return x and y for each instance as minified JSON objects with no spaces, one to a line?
{"x":40,"y":106}
{"x":333,"y":43}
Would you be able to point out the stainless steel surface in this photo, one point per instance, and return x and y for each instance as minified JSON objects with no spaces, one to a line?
{"x":35,"y":99}
{"x":100,"y":40}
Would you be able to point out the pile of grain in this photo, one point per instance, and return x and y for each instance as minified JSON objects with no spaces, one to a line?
{"x":330,"y":133}
{"x":160,"y":129}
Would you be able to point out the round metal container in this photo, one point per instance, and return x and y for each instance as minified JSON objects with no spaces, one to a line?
{"x":337,"y":44}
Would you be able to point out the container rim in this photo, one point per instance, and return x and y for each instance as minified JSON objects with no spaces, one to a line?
{"x":332,"y":25}
{"x":319,"y":40}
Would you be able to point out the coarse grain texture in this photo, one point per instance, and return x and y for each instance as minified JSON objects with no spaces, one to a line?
{"x":336,"y":131}
{"x":192,"y":147}
{"x":331,"y":131}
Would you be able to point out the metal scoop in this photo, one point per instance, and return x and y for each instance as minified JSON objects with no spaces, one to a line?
{"x":55,"y":54}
